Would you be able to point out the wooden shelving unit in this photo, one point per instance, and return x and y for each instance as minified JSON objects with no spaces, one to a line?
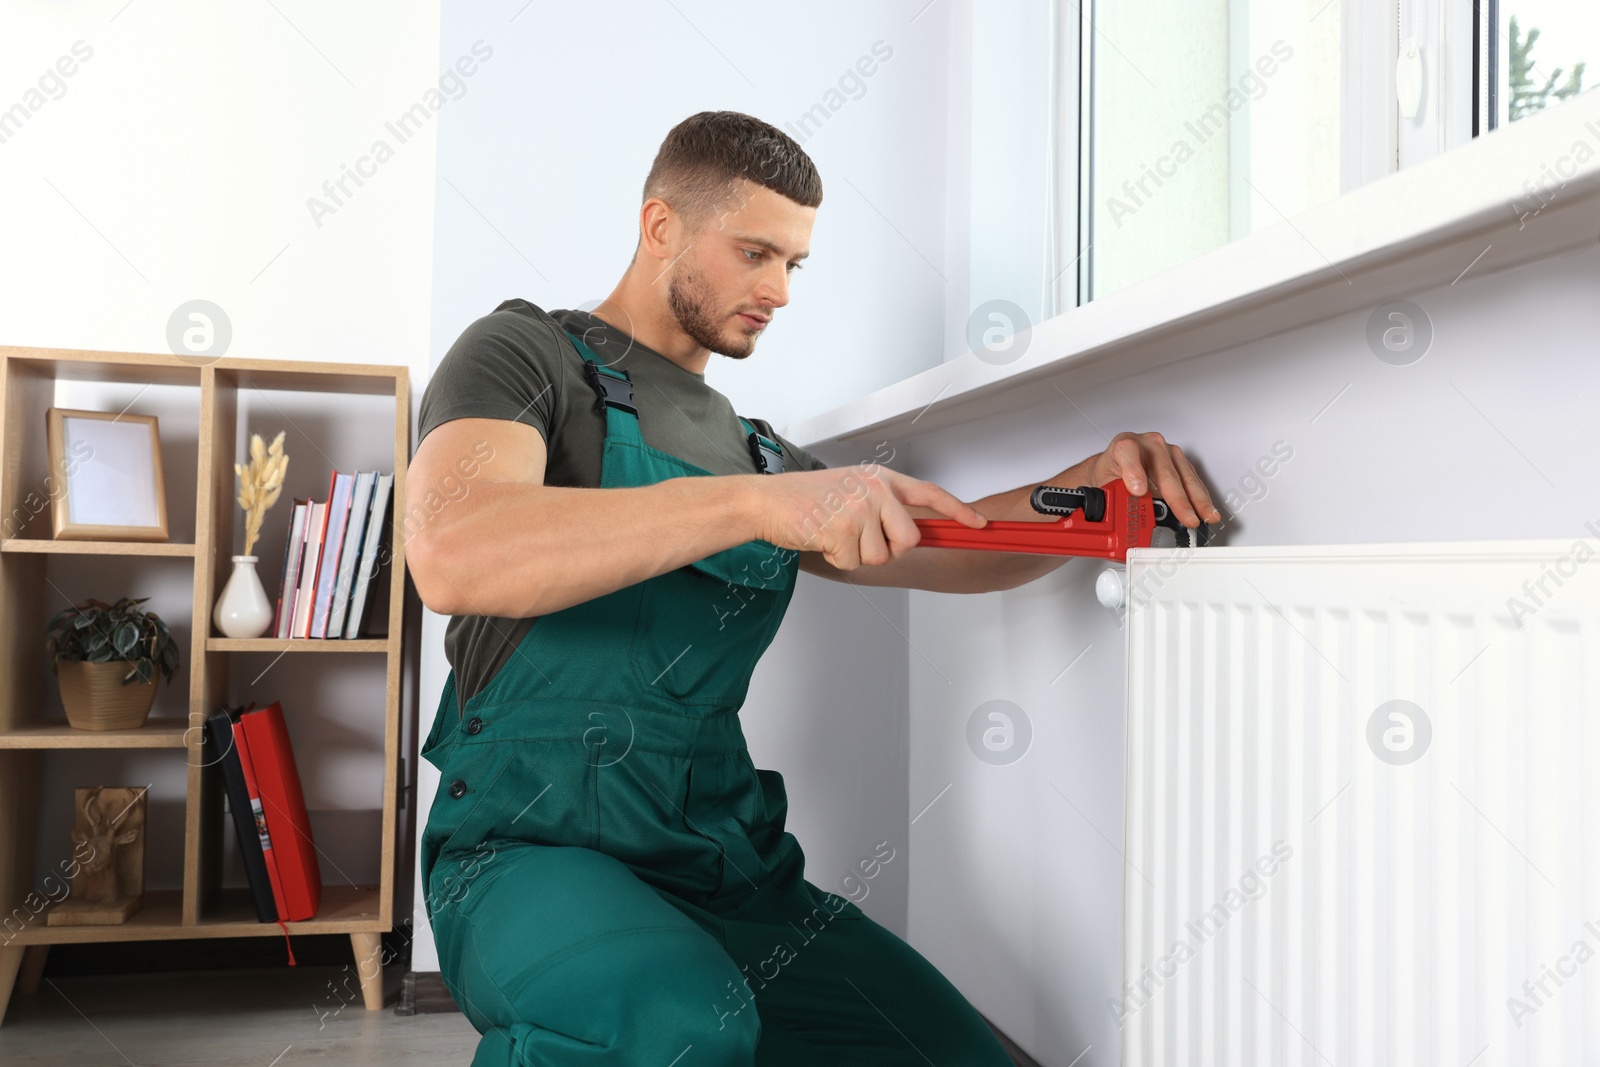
{"x":203,"y":907}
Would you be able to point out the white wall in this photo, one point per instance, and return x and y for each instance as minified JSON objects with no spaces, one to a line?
{"x":175,"y":163}
{"x":539,"y":186}
{"x":178,"y":162}
{"x":1017,"y":878}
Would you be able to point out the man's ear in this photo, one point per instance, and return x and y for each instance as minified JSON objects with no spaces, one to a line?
{"x":660,"y":228}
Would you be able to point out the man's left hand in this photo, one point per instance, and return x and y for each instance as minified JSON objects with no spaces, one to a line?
{"x":1141,"y":459}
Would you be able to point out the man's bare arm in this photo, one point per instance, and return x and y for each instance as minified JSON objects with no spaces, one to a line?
{"x":485,"y":536}
{"x":493,"y":539}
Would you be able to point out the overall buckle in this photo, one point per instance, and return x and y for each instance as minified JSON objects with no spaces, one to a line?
{"x":767,"y":454}
{"x":610,"y":387}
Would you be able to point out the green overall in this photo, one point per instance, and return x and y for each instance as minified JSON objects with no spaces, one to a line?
{"x":606,"y":870}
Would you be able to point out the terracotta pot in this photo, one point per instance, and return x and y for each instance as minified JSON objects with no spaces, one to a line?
{"x":95,"y":698}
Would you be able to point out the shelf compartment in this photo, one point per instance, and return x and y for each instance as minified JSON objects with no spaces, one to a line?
{"x":98,"y":548}
{"x":37,"y":380}
{"x":155,"y":733}
{"x":346,"y":909}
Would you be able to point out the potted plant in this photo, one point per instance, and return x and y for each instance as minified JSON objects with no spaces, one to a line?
{"x":105,"y":657}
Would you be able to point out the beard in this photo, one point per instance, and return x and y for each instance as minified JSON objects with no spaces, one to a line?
{"x":694,"y":306}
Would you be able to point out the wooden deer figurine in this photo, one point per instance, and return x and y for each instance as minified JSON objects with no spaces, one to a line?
{"x":108,"y":858}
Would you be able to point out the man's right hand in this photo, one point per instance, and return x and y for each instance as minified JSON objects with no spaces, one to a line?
{"x":851,"y":515}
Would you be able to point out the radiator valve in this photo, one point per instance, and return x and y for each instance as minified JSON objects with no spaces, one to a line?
{"x":1108,"y":588}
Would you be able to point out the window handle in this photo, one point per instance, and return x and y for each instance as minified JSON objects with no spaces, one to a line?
{"x":1408,"y":78}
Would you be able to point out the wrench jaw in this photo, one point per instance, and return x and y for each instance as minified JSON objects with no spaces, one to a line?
{"x":1181,"y":536}
{"x":1056,"y":500}
{"x":1090,"y":502}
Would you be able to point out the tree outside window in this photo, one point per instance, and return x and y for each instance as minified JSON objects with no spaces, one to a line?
{"x":1527,"y":96}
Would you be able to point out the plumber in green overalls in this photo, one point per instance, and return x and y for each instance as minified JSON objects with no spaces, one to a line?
{"x":606,"y":871}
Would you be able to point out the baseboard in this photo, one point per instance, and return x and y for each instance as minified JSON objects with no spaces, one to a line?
{"x":73,"y":959}
{"x":70,"y":959}
{"x":424,"y":993}
{"x":1018,"y":1057}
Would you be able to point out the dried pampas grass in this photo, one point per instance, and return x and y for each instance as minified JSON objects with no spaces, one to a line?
{"x":260,"y":481}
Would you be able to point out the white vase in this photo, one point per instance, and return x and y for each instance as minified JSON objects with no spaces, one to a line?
{"x":243,"y":609}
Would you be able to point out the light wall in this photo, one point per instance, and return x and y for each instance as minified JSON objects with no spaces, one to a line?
{"x":178,"y":161}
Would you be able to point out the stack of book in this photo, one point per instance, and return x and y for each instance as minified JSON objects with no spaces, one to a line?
{"x":269,"y":810}
{"x":333,"y":550}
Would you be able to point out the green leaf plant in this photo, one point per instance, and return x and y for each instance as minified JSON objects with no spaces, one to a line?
{"x":97,"y":632}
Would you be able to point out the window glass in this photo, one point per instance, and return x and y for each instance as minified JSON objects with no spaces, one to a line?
{"x":1538,"y":56}
{"x":1208,"y":120}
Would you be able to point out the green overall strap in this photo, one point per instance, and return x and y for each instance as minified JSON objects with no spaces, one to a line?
{"x":614,"y":395}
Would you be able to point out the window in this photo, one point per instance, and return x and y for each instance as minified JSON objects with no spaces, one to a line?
{"x":1182,"y":127}
{"x":1204,"y":122}
{"x":1534,"y":57}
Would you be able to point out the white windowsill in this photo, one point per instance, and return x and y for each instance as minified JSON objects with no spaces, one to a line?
{"x":1455,"y":217}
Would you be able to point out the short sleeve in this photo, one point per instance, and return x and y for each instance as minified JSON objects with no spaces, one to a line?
{"x":795,"y":458}
{"x":499,"y":368}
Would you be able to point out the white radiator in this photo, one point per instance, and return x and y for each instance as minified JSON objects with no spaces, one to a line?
{"x":1318,"y":872}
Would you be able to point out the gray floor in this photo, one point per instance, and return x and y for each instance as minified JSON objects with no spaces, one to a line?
{"x":273,"y":1017}
{"x":269,"y":1017}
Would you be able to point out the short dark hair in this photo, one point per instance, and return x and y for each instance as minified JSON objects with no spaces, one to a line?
{"x":702,"y":156}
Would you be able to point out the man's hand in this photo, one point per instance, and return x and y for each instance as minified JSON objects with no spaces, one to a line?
{"x":851,"y":515}
{"x":1140,"y":458}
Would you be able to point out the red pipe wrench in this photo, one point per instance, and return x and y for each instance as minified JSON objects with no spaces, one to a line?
{"x":1103,"y":523}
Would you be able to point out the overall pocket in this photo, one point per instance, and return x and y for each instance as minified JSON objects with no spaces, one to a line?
{"x":644,"y":803}
{"x":697,"y":638}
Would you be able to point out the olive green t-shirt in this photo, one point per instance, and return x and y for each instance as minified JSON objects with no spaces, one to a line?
{"x":517,"y":363}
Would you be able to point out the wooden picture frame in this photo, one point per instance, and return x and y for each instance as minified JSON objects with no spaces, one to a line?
{"x":111,"y":467}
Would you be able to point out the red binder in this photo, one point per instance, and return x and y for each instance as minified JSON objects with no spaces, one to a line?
{"x":297,"y":884}
{"x":268,"y":858}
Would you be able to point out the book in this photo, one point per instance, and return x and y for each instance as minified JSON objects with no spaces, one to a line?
{"x":332,"y":542}
{"x":371,"y":547}
{"x":350,"y":553}
{"x":316,"y":526}
{"x":287,"y":822}
{"x":258,"y":819}
{"x":290,"y":582}
{"x":221,"y":751}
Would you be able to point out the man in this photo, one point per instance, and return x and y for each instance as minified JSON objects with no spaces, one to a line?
{"x":607,"y":872}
